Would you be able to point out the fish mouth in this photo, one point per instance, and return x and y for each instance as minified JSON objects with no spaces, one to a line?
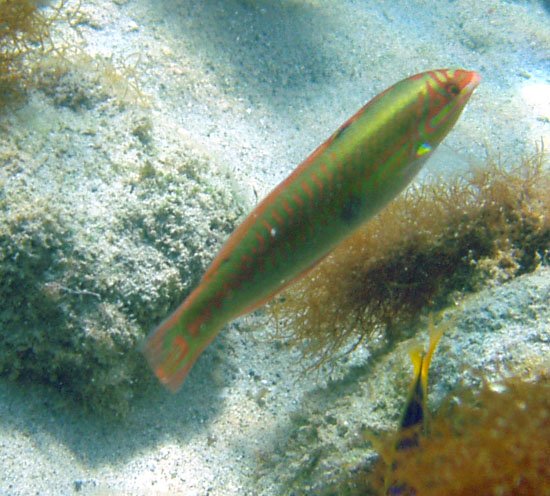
{"x":472,"y":84}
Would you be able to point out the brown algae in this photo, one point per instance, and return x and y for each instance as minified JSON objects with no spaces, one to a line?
{"x":430,"y":245}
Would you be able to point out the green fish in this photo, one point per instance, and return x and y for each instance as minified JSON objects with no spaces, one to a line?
{"x":369,"y":160}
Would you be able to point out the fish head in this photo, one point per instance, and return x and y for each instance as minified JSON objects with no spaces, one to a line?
{"x":444,"y":94}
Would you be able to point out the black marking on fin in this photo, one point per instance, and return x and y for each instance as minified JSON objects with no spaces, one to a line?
{"x":414,"y":413}
{"x":413,"y":417}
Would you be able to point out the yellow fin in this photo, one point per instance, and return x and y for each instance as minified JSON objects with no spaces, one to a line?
{"x":436,"y":332}
{"x":416,"y":352}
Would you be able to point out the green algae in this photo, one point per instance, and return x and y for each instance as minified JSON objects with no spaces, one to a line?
{"x":93,"y":251}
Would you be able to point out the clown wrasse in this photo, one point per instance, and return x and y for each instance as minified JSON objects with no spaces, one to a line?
{"x":344,"y":182}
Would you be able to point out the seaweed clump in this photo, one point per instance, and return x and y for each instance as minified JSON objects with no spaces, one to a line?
{"x":80,"y":290}
{"x":24,"y":30}
{"x":429,"y":246}
{"x":494,"y":442}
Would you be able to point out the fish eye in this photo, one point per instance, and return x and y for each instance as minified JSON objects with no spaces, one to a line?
{"x":453,"y":89}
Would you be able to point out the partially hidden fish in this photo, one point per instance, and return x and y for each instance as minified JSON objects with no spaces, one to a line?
{"x":414,"y":413}
{"x":344,"y":182}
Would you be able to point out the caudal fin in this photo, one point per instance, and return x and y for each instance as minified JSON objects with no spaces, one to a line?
{"x":168,"y":354}
{"x":171,"y":351}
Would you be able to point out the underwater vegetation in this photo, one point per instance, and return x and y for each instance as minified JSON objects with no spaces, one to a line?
{"x":24,"y":31}
{"x":343,"y":429}
{"x":75,"y":306}
{"x":494,"y":442}
{"x":84,"y":271}
{"x":76,"y":286}
{"x":31,"y":57}
{"x":490,"y":439}
{"x":428,"y":247}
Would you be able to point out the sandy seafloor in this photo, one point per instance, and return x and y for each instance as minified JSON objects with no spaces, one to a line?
{"x":259,"y":84}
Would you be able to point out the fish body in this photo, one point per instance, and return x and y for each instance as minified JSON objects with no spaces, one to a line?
{"x":368,"y":161}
